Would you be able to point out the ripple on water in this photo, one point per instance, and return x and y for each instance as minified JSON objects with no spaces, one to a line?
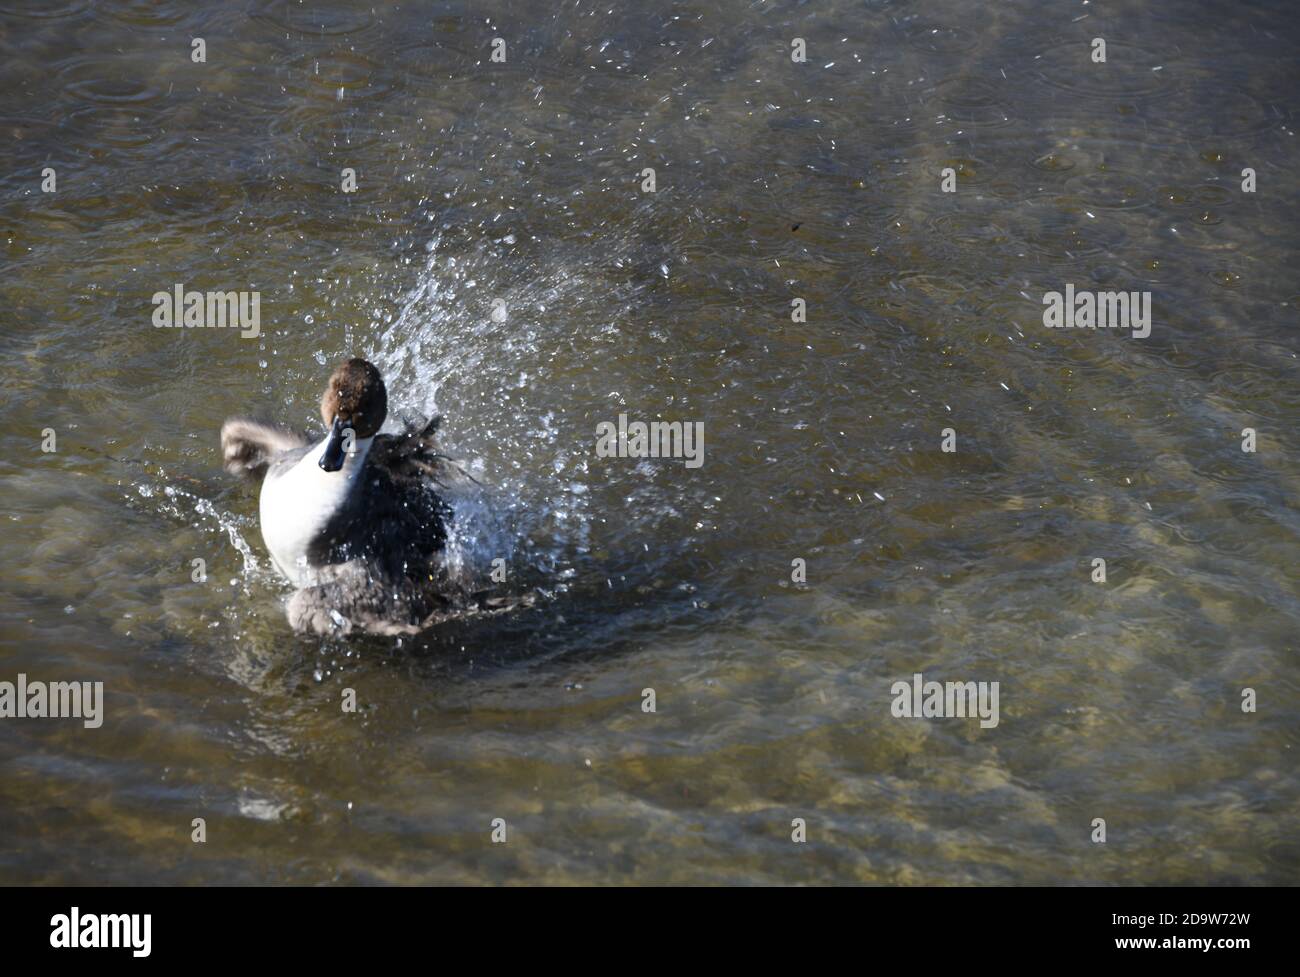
{"x":87,"y":212}
{"x":1107,"y":173}
{"x":919,"y":291}
{"x":431,"y":63}
{"x":1151,"y":270}
{"x":96,"y":127}
{"x":1014,"y":166}
{"x":323,"y":130}
{"x":1052,"y":163}
{"x":22,"y":126}
{"x":1026,"y":314}
{"x":44,"y":9}
{"x":969,"y":171}
{"x":1051,"y":227}
{"x":1194,"y":198}
{"x":969,"y":228}
{"x":149,"y":13}
{"x":1129,"y":71}
{"x":315,"y":20}
{"x":338,"y":75}
{"x":1199,"y":227}
{"x":1110,"y":189}
{"x":930,"y":36}
{"x":1229,"y":273}
{"x":109,"y":81}
{"x":970,"y":103}
{"x":859,"y":188}
{"x":1007,"y":189}
{"x":1221,"y":110}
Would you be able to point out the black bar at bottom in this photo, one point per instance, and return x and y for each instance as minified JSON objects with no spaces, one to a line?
{"x":345,"y":926}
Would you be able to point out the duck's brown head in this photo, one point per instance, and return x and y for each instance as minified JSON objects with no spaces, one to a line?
{"x":355,"y":400}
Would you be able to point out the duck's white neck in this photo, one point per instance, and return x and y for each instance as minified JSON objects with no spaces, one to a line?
{"x":352,"y":460}
{"x":296,"y":506}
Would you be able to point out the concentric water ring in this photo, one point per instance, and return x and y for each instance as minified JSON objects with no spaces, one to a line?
{"x":1110,"y":189}
{"x":109,"y":81}
{"x":338,"y":75}
{"x":313,"y":20}
{"x":1128,"y":71}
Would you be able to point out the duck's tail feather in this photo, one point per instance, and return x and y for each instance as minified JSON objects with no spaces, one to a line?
{"x":247,"y":446}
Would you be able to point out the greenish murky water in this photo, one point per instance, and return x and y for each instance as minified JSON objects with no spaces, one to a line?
{"x":516,"y":186}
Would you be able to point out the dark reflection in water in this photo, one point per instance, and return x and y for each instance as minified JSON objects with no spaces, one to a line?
{"x":515,"y":188}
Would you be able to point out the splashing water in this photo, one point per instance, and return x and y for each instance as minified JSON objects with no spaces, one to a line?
{"x":489,"y":353}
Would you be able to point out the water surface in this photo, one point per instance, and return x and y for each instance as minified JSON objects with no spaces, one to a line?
{"x":517,"y":186}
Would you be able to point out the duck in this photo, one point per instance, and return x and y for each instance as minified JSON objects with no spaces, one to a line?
{"x":356,"y":520}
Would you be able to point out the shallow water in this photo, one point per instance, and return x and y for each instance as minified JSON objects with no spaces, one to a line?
{"x":521,"y":182}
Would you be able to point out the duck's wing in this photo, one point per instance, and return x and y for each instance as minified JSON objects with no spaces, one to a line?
{"x":398,"y":523}
{"x":248,"y":446}
{"x":412,"y":454}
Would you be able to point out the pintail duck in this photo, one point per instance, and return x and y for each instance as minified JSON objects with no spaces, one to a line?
{"x":355,"y":520}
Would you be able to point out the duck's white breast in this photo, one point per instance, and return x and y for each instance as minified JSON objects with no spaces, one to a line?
{"x":295,"y":506}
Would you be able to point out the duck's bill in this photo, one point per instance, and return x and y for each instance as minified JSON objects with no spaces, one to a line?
{"x":331,"y":459}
